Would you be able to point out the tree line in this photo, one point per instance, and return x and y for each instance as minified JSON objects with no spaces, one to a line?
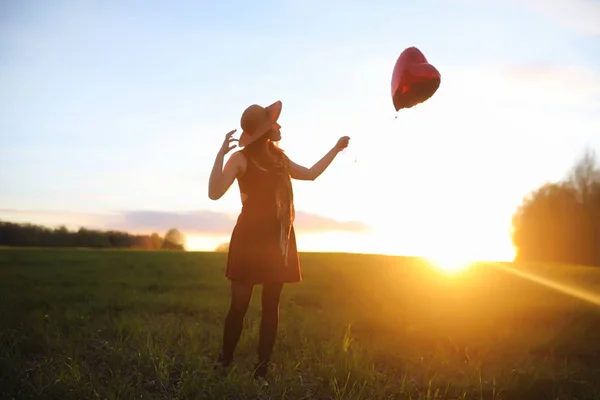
{"x":560,"y":221}
{"x":30,"y":235}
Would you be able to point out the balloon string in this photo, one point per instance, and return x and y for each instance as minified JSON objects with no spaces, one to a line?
{"x":352,"y":152}
{"x":345,"y":152}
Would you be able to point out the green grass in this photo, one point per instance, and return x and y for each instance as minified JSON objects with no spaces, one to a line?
{"x":127,"y":324}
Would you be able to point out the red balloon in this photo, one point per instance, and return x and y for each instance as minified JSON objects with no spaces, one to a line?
{"x":414,"y":80}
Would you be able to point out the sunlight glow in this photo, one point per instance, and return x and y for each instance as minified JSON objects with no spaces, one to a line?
{"x":450,"y":264}
{"x":449,"y":256}
{"x":204,"y":243}
{"x":565,"y":288}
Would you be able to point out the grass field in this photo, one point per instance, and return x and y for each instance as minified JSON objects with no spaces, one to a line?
{"x":79,"y":324}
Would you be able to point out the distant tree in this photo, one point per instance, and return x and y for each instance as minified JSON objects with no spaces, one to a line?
{"x":174,"y":240}
{"x":560,"y":222}
{"x":141,"y":242}
{"x":157,"y":241}
{"x":92,"y":238}
{"x":60,"y":237}
{"x":585,"y":179}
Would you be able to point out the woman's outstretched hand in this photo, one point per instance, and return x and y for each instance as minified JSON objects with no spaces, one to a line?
{"x":226,"y":147}
{"x":312,"y":173}
{"x":342,"y":143}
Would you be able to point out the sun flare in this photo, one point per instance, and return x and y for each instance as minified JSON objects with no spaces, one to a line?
{"x":450,"y":264}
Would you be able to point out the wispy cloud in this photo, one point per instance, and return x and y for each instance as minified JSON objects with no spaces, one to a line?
{"x":200,"y":222}
{"x":206,"y":222}
{"x":307,"y":222}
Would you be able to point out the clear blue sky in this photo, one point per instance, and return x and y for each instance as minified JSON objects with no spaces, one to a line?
{"x":112,"y":112}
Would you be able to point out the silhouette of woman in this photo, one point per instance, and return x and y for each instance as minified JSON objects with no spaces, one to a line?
{"x":262,"y":250}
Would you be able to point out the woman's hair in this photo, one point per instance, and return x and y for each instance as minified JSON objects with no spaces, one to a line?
{"x":255,"y":150}
{"x":284,"y":196}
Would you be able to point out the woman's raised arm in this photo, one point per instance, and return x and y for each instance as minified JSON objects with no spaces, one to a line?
{"x":310,"y":174}
{"x":221,"y":178}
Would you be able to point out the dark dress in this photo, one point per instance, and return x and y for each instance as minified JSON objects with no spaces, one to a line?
{"x":255,"y":255}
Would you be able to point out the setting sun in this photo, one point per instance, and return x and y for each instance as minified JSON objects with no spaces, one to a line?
{"x":394,"y":203}
{"x":450,"y":264}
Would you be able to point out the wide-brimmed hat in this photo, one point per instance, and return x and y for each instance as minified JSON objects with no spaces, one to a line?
{"x":258,"y":120}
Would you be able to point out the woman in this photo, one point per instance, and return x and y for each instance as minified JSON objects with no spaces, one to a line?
{"x":262,"y":249}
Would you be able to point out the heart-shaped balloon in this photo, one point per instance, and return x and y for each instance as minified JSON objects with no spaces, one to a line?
{"x":414,"y":80}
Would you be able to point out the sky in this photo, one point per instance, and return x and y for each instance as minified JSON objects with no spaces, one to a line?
{"x":111,"y":114}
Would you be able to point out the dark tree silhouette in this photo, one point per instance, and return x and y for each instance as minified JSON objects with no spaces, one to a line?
{"x":156,"y":242}
{"x":29,"y":235}
{"x":560,"y":222}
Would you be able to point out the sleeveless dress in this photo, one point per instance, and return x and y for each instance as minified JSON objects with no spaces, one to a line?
{"x":257,"y":254}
